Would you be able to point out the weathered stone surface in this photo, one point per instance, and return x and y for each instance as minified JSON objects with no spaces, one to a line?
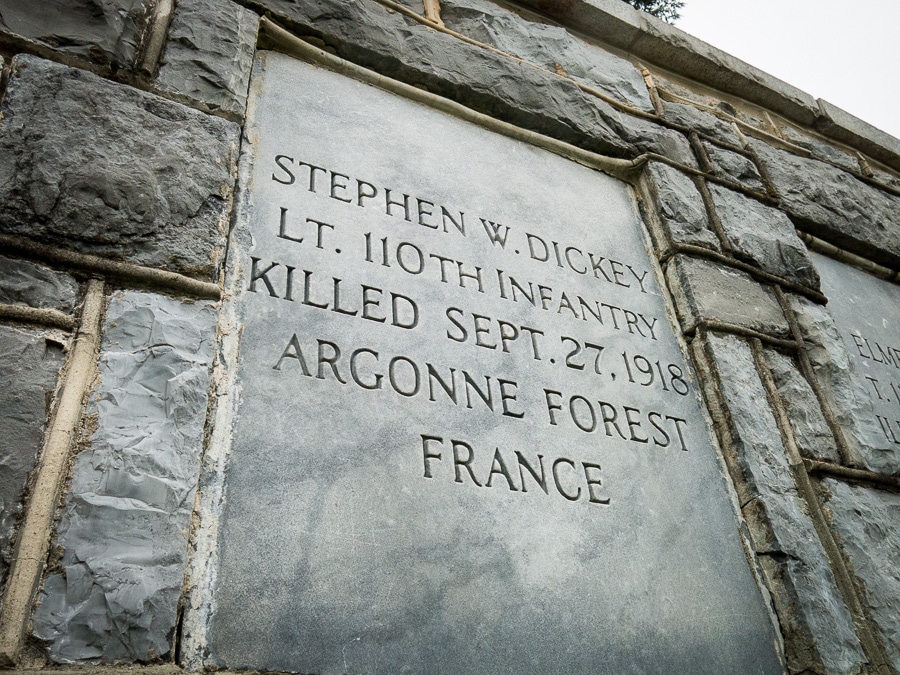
{"x":811,"y":431}
{"x":867,"y":523}
{"x":866,"y":313}
{"x":382,"y":565}
{"x":763,"y":236}
{"x":23,"y":282}
{"x":809,"y":605}
{"x":106,"y":32}
{"x":848,"y":212}
{"x":843,"y":126}
{"x":700,"y":121}
{"x":388,"y":42}
{"x":706,"y":291}
{"x":734,"y":166}
{"x":105,"y":169}
{"x":649,"y":38}
{"x":29,"y":364}
{"x":819,"y":148}
{"x":680,"y":207}
{"x":848,"y":399}
{"x":209,"y":54}
{"x":126,"y":519}
{"x":549,"y":46}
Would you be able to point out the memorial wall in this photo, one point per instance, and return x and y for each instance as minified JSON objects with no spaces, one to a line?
{"x":438,"y":337}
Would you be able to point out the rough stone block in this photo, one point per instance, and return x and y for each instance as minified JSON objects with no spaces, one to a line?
{"x":848,"y":212}
{"x":866,"y":521}
{"x":763,"y":236}
{"x":549,"y":46}
{"x":126,"y":519}
{"x":810,"y":606}
{"x":209,"y":54}
{"x":811,"y":431}
{"x":106,"y":32}
{"x":367,"y":33}
{"x":29,"y":365}
{"x":23,"y":282}
{"x":105,"y":169}
{"x":705,"y":291}
{"x":845,"y":395}
{"x":680,"y":207}
{"x":700,"y":121}
{"x":733,"y":166}
{"x":819,"y":148}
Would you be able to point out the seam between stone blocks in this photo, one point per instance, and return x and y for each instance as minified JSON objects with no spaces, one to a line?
{"x":865,"y":631}
{"x":51,"y":318}
{"x":36,"y":529}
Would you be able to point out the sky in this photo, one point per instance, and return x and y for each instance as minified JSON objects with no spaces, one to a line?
{"x":847,"y":53}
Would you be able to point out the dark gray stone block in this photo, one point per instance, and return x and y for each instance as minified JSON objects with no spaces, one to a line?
{"x":706,"y":291}
{"x":102,"y":168}
{"x":125,"y":523}
{"x":810,"y":606}
{"x":23,"y":282}
{"x":700,"y":121}
{"x":735,"y":167}
{"x":819,"y":148}
{"x":811,"y":431}
{"x":106,"y":32}
{"x":367,"y":33}
{"x":763,"y":236}
{"x":840,"y":208}
{"x":209,"y":54}
{"x":680,"y":206}
{"x":29,"y":366}
{"x":549,"y":46}
{"x":866,"y":521}
{"x":866,"y":313}
{"x":846,"y":395}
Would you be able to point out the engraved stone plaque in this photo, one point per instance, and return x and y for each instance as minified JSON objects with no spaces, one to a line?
{"x":467,"y":439}
{"x":866,"y":311}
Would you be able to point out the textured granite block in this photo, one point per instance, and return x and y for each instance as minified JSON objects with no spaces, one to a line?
{"x":735,"y":167}
{"x":101,"y":168}
{"x":866,"y":521}
{"x":763,"y":236}
{"x":23,"y":282}
{"x":810,"y":607}
{"x":29,"y":365}
{"x":549,"y":46}
{"x":126,"y":519}
{"x":706,"y":291}
{"x":680,"y":206}
{"x":847,"y":397}
{"x":862,"y":358}
{"x":819,"y":147}
{"x":367,"y":33}
{"x":209,"y":54}
{"x":700,"y":121}
{"x":811,"y":431}
{"x":106,"y":32}
{"x":848,"y":212}
{"x":845,"y":127}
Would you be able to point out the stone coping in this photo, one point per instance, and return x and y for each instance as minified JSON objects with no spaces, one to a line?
{"x":646,"y":37}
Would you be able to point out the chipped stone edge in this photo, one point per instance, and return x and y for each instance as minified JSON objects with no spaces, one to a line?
{"x":649,"y":38}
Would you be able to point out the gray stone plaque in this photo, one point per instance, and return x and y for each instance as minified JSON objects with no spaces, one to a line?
{"x":866,"y":311}
{"x":467,"y":440}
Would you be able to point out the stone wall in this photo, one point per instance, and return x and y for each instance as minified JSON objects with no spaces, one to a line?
{"x":121,"y":130}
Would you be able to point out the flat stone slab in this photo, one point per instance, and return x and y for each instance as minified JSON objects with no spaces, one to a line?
{"x":467,"y":439}
{"x":866,"y":311}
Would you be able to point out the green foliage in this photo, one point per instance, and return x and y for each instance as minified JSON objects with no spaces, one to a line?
{"x":667,"y":10}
